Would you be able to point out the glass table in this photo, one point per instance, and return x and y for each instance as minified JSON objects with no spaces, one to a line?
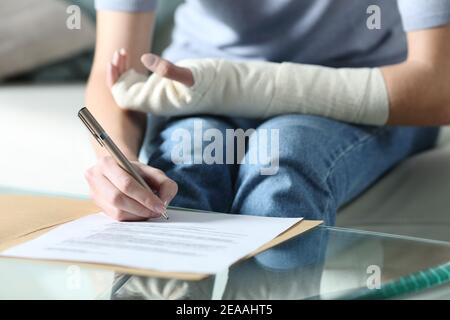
{"x":323,"y":263}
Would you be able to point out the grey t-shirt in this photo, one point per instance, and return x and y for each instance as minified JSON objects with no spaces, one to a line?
{"x":326,"y":32}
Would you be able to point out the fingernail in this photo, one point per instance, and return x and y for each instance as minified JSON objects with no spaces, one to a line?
{"x":122,"y":51}
{"x":166,"y":203}
{"x":160,"y":208}
{"x":148,"y":59}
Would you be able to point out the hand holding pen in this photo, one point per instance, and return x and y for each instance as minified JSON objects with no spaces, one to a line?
{"x":126,"y":191}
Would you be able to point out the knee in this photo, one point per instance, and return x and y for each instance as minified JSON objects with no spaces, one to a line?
{"x":295,"y":142}
{"x":199,"y":123}
{"x":291,"y":192}
{"x":296,"y":121}
{"x":291,"y":179}
{"x":186,"y":141}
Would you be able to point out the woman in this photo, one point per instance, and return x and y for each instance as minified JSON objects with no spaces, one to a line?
{"x":323,"y":163}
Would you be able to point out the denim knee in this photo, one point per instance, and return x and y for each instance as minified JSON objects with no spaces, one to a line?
{"x":323,"y":164}
{"x":296,"y":188}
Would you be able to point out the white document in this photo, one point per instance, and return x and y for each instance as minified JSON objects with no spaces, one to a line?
{"x":188,"y":242}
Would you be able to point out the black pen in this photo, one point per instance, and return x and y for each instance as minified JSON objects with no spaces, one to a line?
{"x":105,"y":141}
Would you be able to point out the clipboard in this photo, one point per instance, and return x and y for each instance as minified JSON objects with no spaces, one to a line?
{"x":24,"y":217}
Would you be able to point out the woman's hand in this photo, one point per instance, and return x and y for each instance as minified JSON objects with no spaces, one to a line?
{"x":122,"y":197}
{"x":154,"y":63}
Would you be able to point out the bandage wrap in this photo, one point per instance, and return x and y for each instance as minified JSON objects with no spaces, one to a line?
{"x":260,"y":90}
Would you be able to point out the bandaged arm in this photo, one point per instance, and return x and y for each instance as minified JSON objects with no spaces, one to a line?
{"x":260,"y":90}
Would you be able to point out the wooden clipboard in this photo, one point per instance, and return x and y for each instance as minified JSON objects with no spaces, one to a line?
{"x":23,"y":218}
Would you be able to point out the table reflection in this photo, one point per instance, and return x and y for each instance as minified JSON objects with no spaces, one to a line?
{"x":291,"y":270}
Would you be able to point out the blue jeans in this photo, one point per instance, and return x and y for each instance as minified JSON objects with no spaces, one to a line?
{"x":322,"y":165}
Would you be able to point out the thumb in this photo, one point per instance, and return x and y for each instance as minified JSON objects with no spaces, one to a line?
{"x":167,"y":69}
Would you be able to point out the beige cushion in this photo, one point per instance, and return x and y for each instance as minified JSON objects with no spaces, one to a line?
{"x":34,"y":33}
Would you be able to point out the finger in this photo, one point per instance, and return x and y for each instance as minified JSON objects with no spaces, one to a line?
{"x":107,"y":208}
{"x":157,"y":179}
{"x":130,"y":187}
{"x":167,"y":191}
{"x":167,"y":69}
{"x":112,"y":75}
{"x":117,"y":214}
{"x":115,"y":59}
{"x":123,"y":61}
{"x":121,"y":202}
{"x":118,"y":62}
{"x":114,"y":201}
